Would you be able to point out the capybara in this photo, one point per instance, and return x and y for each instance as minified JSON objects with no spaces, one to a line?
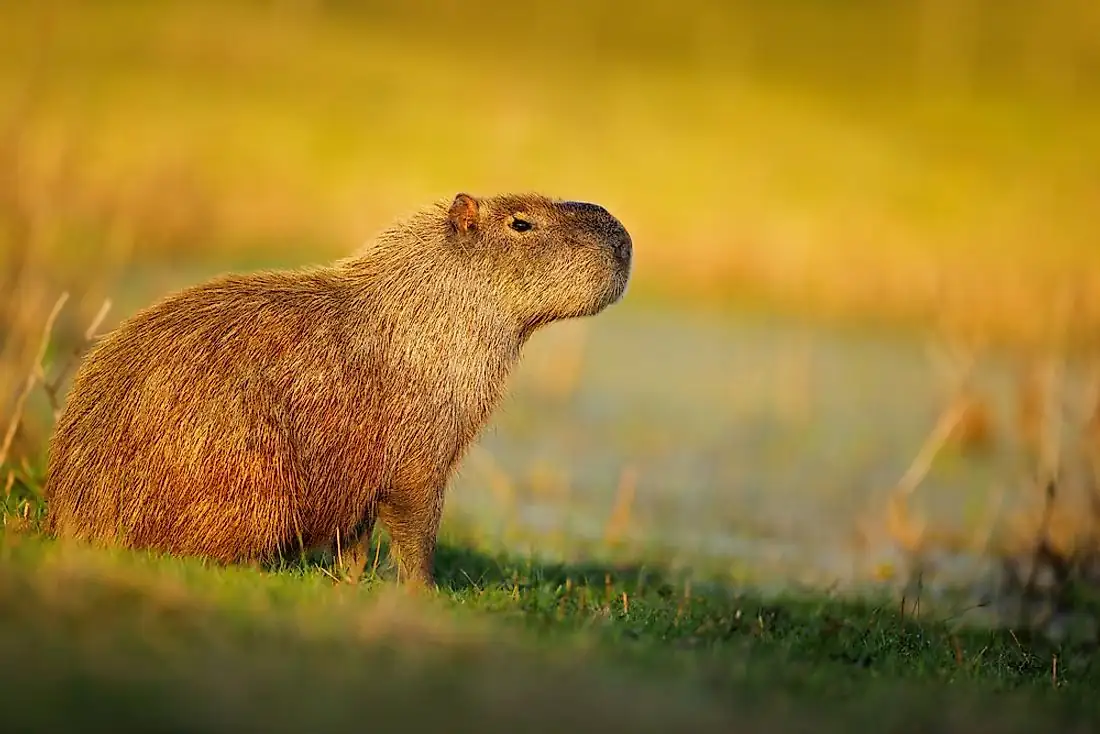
{"x":257,"y":414}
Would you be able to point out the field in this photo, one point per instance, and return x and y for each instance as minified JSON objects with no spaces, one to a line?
{"x":831,"y":463}
{"x":147,"y":645}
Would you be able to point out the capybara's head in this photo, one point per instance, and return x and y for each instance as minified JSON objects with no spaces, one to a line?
{"x":549,"y":259}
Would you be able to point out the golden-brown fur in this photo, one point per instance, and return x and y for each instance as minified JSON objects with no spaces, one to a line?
{"x":255,"y":414}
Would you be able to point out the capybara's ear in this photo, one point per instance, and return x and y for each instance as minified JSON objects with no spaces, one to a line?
{"x":463,"y":213}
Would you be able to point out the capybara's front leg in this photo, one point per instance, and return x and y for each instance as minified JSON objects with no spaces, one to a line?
{"x":412,"y":519}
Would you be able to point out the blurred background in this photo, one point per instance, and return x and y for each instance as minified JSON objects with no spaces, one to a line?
{"x":854,"y":222}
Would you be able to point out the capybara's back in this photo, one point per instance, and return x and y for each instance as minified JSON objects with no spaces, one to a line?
{"x":256,"y":414}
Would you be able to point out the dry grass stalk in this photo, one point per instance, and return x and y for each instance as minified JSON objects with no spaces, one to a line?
{"x":906,"y":529}
{"x":1031,"y":409}
{"x":53,"y":388}
{"x":981,"y":538}
{"x":1050,"y":444}
{"x":33,"y":376}
{"x":1091,"y":401}
{"x":933,"y":445}
{"x":619,"y":521}
{"x":974,"y":429}
{"x":1054,"y":549}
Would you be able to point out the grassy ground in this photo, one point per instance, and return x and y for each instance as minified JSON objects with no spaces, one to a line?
{"x":152,"y":644}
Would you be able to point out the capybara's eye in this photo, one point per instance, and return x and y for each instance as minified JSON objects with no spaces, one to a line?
{"x":520,"y":225}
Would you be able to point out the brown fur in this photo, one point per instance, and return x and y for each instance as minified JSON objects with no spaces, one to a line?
{"x":256,"y":414}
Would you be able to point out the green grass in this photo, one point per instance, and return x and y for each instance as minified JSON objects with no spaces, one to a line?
{"x":145,"y":643}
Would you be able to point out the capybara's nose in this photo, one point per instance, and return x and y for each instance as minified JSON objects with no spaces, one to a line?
{"x":610,"y":229}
